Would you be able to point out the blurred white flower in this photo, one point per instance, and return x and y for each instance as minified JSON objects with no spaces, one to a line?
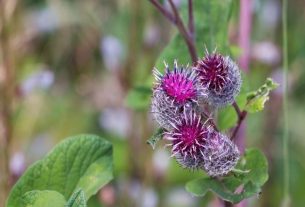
{"x":149,"y":198}
{"x":115,"y":120}
{"x":270,"y":13}
{"x":44,"y":20}
{"x":277,"y":76}
{"x":39,"y":147}
{"x":17,"y":163}
{"x":180,"y":198}
{"x":266,"y":52}
{"x":41,"y":79}
{"x":144,"y":197}
{"x":161,"y":160}
{"x":152,"y":35}
{"x":112,"y":52}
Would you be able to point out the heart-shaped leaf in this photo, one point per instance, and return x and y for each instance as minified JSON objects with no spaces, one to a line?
{"x":245,"y":183}
{"x":83,"y":161}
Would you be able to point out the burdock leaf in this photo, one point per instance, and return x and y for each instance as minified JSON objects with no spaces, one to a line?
{"x":83,"y":161}
{"x":155,"y":138}
{"x":256,"y":163}
{"x":256,"y":100}
{"x":241,"y":185}
{"x":224,"y":190}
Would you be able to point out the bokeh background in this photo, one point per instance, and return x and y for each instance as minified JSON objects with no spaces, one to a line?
{"x":81,"y":67}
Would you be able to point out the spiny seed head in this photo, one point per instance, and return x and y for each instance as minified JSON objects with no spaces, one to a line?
{"x":173,"y":92}
{"x":164,"y":110}
{"x":188,"y":139}
{"x":188,"y":161}
{"x":220,"y":154}
{"x":221,"y":77}
{"x":180,"y":84}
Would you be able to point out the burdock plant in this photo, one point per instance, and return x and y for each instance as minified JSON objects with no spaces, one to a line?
{"x":178,"y":94}
{"x":186,"y":101}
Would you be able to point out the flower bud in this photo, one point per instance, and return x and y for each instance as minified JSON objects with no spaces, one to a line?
{"x":221,"y":77}
{"x":173,"y":92}
{"x":188,"y":140}
{"x":220,"y":154}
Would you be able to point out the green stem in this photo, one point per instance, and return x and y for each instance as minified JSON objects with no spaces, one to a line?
{"x":285,"y":104}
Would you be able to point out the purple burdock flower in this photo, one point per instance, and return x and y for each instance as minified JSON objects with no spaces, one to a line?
{"x":176,"y":90}
{"x":220,"y":154}
{"x":188,"y":140}
{"x":221,"y":77}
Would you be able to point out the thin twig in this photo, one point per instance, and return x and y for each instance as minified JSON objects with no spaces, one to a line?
{"x":186,"y":35}
{"x":237,"y":109}
{"x":241,"y":116}
{"x":240,"y":120}
{"x":191,"y":18}
{"x":166,"y":13}
{"x":177,"y":21}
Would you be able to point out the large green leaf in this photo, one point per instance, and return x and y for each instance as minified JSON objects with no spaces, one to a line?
{"x":45,"y":198}
{"x":246,"y":182}
{"x":83,"y":161}
{"x":211,"y":26}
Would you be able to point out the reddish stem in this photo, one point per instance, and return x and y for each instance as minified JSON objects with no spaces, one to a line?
{"x":177,"y":21}
{"x":186,"y":34}
{"x":165,"y":13}
{"x":191,"y":18}
{"x":241,"y":116}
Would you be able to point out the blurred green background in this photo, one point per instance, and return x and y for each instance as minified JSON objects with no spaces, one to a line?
{"x":82,"y":66}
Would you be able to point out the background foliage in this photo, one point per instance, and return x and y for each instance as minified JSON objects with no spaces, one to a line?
{"x":85,"y":67}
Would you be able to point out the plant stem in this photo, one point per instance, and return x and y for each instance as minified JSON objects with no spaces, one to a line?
{"x":185,"y":34}
{"x":166,"y":13}
{"x":191,"y":18}
{"x":285,"y":105}
{"x":241,"y":116}
{"x":237,"y":109}
{"x":177,"y":21}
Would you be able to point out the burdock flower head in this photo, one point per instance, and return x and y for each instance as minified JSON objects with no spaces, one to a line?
{"x":174,"y":91}
{"x":221,"y":77}
{"x":220,"y":154}
{"x":188,"y":140}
